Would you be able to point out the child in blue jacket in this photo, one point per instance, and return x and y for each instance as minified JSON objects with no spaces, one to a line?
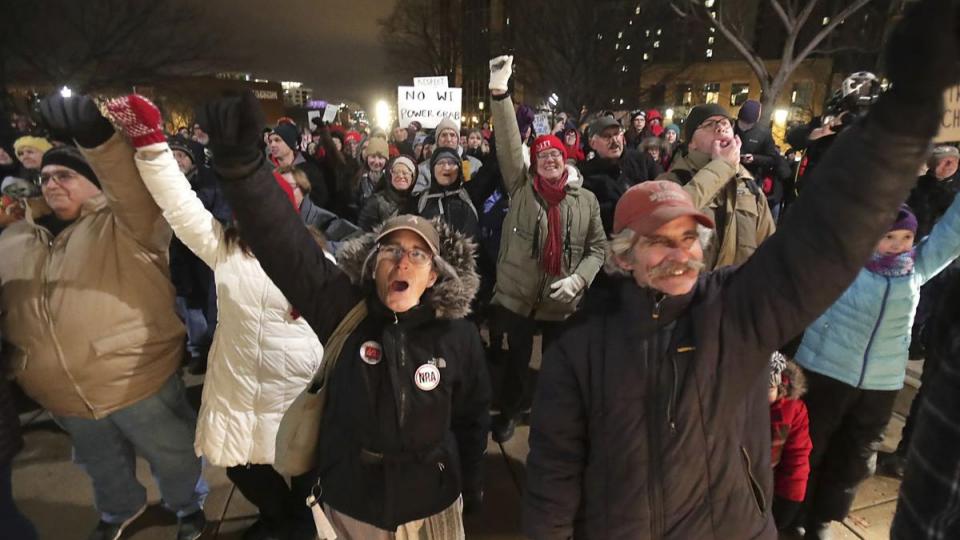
{"x":855,"y":358}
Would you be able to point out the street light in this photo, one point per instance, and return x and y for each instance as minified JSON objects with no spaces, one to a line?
{"x":780,"y":116}
{"x":383,"y":115}
{"x":66,"y":92}
{"x":480,"y":105}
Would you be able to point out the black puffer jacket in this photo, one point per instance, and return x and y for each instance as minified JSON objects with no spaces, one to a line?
{"x":389,"y":451}
{"x":10,"y":440}
{"x":651,"y":417}
{"x":930,"y":200}
{"x":608,"y":179}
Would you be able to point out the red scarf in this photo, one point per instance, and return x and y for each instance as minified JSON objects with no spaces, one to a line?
{"x":552,"y":193}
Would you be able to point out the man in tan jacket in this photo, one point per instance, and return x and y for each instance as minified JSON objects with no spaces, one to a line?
{"x":89,"y":309}
{"x":711,"y":172}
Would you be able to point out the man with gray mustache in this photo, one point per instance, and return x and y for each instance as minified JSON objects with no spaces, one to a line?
{"x":651,"y":417}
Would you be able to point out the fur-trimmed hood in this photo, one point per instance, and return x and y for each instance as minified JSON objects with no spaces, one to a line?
{"x":793,"y":383}
{"x":457,"y":281}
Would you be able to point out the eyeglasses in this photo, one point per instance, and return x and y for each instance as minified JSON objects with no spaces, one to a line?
{"x":712,"y":124}
{"x":60,"y":177}
{"x":393,"y":252}
{"x":446,"y":162}
{"x":401,"y":172}
{"x":549,"y":154}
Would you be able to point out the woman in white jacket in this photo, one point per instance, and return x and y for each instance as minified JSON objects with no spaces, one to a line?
{"x":263,"y":353}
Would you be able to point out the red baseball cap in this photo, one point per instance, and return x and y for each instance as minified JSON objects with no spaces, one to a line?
{"x":647,"y":206}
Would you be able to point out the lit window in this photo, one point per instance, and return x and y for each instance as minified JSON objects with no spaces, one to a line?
{"x":659,"y":31}
{"x":628,"y":46}
{"x":646,"y":33}
{"x":508,"y":21}
{"x":713,"y":14}
{"x":713,"y":30}
{"x":646,"y":56}
{"x":621,"y":101}
{"x":599,"y":36}
{"x":623,"y":69}
{"x":631,"y":22}
{"x":637,"y":11}
{"x":826,"y":21}
{"x":708,"y":3}
{"x":739,"y":92}
{"x":709,"y":53}
{"x":710,"y":40}
{"x":619,"y":35}
{"x":616,"y":47}
{"x":656,"y":44}
{"x":712,"y":92}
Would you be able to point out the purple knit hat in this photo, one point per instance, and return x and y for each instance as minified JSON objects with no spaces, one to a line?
{"x":905,"y":220}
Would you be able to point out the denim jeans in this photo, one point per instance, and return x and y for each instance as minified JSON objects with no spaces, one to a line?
{"x":161,"y":429}
{"x":199,"y":327}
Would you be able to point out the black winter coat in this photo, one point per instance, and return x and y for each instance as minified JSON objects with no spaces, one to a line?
{"x":389,"y":452}
{"x":930,"y":200}
{"x":10,"y":440}
{"x":610,"y":179}
{"x":758,"y":142}
{"x":453,"y":206}
{"x":651,"y":417}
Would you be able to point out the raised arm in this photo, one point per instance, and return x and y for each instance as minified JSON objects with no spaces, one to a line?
{"x":268,"y":222}
{"x":854,"y":192}
{"x":140,"y":121}
{"x":509,"y":145}
{"x":111,"y":158}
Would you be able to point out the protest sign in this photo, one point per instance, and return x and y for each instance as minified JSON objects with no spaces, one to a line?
{"x":541,"y":124}
{"x":431,"y":82}
{"x":330,"y":113}
{"x":310,"y":116}
{"x":428,"y":105}
{"x":950,"y":122}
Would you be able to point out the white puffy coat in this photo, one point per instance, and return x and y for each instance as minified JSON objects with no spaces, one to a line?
{"x":261,"y":356}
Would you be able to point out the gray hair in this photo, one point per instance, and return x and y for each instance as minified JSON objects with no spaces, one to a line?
{"x":620,"y":248}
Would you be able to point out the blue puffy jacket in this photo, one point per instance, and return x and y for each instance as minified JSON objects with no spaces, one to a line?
{"x":862,"y":340}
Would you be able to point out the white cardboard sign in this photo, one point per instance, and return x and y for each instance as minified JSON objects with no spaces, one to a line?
{"x":429,"y":105}
{"x":950,"y":122}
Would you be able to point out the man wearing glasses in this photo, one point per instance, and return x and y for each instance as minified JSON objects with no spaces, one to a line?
{"x":88,"y":308}
{"x":614,"y":167}
{"x":710,"y":171}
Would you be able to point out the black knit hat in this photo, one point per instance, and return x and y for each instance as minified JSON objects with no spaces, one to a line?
{"x":71,"y":158}
{"x":290,"y":135}
{"x":192,"y":149}
{"x":700,"y":113}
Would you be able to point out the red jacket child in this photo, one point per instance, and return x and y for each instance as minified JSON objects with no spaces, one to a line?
{"x":790,"y":435}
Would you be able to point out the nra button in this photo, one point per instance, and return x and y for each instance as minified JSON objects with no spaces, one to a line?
{"x":427,"y":377}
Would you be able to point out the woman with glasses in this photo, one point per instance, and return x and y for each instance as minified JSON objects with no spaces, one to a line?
{"x":552,"y":246}
{"x":405,"y":424}
{"x":394,"y":195}
{"x":447,"y":198}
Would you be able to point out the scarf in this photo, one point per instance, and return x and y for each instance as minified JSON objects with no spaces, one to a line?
{"x":552,"y":193}
{"x":892,"y":265}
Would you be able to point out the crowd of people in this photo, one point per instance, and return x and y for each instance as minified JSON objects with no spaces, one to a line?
{"x":720,"y":356}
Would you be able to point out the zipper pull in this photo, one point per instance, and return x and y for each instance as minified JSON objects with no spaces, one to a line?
{"x":396,"y":320}
{"x":656,"y":307}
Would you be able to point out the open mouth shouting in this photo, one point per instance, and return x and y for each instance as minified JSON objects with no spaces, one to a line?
{"x":399,"y":286}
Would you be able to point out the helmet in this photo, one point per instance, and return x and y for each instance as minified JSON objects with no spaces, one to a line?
{"x":860,"y":89}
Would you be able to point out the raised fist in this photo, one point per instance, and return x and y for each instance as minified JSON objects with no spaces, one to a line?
{"x":923,"y":52}
{"x":501,"y":68}
{"x":76,"y":117}
{"x":138,"y":118}
{"x":234,"y":125}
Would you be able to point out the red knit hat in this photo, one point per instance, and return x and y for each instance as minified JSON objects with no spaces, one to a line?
{"x":546,"y":142}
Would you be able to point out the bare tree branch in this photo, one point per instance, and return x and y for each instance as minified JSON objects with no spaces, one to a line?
{"x":825,"y":31}
{"x":786,"y":19}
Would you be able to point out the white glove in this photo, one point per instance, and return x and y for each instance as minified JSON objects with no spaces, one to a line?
{"x":566,"y":289}
{"x":501,"y":68}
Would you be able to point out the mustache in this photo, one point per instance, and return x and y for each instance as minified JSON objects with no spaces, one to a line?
{"x":668,"y":268}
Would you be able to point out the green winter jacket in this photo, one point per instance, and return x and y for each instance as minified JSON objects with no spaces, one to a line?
{"x":522,"y":285}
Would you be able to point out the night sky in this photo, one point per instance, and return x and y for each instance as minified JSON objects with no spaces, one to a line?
{"x":330,"y":45}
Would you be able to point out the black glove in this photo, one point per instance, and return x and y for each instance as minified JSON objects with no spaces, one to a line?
{"x":76,"y":117}
{"x":472,"y":501}
{"x":235,"y":127}
{"x":784,"y":511}
{"x":923,"y":52}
